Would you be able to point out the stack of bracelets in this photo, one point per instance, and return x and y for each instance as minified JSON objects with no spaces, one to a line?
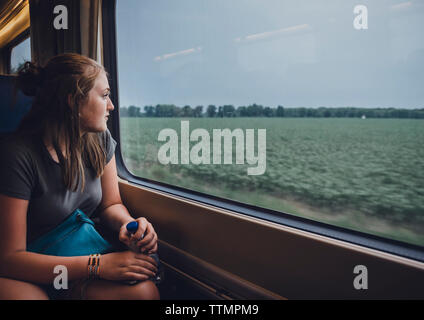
{"x":94,"y":266}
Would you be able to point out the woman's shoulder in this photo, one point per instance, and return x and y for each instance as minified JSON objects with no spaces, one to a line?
{"x":108,"y":142}
{"x":18,"y":167}
{"x":18,"y":146}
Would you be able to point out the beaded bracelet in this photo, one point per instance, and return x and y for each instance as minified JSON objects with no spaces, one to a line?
{"x":94,"y":266}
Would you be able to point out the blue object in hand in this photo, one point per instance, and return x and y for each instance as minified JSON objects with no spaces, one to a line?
{"x":132,"y":227}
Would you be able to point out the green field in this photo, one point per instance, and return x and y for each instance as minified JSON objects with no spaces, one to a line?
{"x":365,"y":175}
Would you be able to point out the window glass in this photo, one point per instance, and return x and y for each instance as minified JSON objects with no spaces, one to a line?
{"x":336,"y":85}
{"x":20,"y":54}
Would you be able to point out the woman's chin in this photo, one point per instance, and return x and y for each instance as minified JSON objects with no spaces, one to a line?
{"x":102,"y":128}
{"x":99,"y":128}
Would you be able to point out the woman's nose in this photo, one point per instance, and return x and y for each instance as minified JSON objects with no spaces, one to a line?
{"x":110,"y":105}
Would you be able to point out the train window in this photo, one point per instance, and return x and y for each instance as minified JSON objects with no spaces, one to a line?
{"x":20,"y":53}
{"x":336,"y":85}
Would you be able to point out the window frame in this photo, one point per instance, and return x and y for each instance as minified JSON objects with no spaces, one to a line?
{"x":371,"y":241}
{"x":17,"y":41}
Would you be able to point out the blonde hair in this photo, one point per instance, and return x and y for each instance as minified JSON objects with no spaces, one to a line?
{"x":59,"y":89}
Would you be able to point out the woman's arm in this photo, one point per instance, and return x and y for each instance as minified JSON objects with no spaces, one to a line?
{"x":16,"y":262}
{"x":112,"y":211}
{"x":115,"y":215}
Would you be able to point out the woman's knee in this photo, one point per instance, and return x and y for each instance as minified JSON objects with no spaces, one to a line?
{"x":145,"y":290}
{"x":11,"y":289}
{"x":110,"y":290}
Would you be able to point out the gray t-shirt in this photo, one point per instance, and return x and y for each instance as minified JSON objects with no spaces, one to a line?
{"x":27,"y":171}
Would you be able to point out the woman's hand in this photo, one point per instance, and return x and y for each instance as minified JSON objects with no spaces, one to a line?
{"x":147,"y":244}
{"x":127,"y":265}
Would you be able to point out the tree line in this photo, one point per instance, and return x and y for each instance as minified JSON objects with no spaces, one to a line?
{"x":255,"y":110}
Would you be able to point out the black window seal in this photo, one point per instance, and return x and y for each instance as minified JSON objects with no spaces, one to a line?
{"x":399,"y":248}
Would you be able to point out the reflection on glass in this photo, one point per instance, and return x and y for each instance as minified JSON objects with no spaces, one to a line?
{"x":20,"y":54}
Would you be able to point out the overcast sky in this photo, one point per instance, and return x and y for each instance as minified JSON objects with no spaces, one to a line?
{"x":295,"y":53}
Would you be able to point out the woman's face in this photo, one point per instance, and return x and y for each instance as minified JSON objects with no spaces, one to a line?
{"x":95,"y":110}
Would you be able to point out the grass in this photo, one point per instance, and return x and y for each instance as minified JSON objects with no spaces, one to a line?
{"x":364,"y":175}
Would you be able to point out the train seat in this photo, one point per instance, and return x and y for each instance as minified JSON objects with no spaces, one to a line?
{"x":13,"y":105}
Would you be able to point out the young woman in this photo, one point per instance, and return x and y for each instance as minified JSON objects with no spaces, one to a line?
{"x":61,"y":159}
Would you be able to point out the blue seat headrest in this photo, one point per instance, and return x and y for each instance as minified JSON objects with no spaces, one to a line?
{"x":12,"y":108}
